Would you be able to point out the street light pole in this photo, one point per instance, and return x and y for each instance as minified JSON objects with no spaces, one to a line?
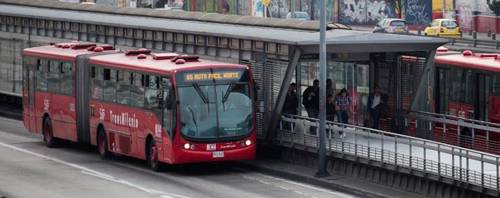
{"x":322,"y":172}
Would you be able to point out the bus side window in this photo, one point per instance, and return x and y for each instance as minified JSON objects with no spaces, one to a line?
{"x":137,"y":90}
{"x":151,"y":92}
{"x":67,"y":78}
{"x":96,"y":80}
{"x":41,"y":75}
{"x":109,"y":85}
{"x":53,"y":77}
{"x":123,"y":87}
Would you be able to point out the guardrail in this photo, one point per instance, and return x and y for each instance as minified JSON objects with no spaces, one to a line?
{"x":474,"y":41}
{"x":477,"y":42}
{"x":459,"y":131}
{"x":430,"y":157}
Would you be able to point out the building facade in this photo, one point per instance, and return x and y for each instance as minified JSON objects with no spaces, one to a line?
{"x":472,"y":15}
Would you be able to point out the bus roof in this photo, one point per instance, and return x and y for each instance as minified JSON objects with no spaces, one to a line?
{"x":148,"y":63}
{"x":467,"y":59}
{"x":60,"y":51}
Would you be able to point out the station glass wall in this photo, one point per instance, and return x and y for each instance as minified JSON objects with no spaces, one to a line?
{"x":353,"y":76}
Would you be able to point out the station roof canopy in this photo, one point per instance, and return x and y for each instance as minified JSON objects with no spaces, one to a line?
{"x":302,"y":34}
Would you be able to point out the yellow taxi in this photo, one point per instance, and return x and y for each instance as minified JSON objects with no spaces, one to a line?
{"x":443,"y":28}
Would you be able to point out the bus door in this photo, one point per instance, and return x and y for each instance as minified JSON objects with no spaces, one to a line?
{"x":483,"y":90}
{"x":481,"y":95}
{"x":443,"y":90}
{"x":442,"y":99}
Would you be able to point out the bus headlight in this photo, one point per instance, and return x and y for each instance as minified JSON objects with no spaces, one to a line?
{"x":187,"y":146}
{"x":248,"y":142}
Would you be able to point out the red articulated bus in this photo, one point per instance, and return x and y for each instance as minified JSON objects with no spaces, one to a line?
{"x":163,"y":108}
{"x":468,"y":86}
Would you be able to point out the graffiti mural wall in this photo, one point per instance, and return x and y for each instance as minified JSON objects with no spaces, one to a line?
{"x":365,"y":12}
{"x":257,"y":8}
{"x":315,"y":9}
{"x":418,"y":12}
{"x":278,"y":8}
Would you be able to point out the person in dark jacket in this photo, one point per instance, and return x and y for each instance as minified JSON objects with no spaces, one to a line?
{"x":330,"y":108}
{"x":291,"y":101}
{"x":310,"y":99}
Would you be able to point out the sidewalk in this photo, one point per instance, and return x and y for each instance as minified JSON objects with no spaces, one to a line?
{"x":346,"y":184}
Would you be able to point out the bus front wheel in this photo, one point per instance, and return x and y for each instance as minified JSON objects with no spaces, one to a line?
{"x":152,"y":157}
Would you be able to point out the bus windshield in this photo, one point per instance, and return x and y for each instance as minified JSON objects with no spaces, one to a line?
{"x":215,"y":109}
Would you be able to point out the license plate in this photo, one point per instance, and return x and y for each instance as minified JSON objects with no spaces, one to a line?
{"x":218,"y":154}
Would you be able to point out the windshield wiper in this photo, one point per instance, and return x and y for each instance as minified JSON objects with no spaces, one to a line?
{"x":200,"y":93}
{"x":193,"y":118}
{"x":228,"y":91}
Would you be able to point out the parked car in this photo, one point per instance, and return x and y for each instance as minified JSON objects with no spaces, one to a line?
{"x":302,"y":16}
{"x":443,"y":28}
{"x":391,"y":25}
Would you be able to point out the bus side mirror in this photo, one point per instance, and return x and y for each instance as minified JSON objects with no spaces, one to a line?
{"x":256,"y":89}
{"x":159,"y":98}
{"x":169,"y":102}
{"x":167,"y":93}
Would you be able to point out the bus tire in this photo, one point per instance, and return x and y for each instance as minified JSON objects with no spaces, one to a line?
{"x":48,"y":133}
{"x":102,"y":144}
{"x":152,"y":156}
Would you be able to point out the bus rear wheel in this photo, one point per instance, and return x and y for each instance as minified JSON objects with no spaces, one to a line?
{"x":47,"y":133}
{"x":152,"y":157}
{"x":102,"y":145}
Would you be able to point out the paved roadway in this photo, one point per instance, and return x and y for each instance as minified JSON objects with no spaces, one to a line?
{"x":29,"y":169}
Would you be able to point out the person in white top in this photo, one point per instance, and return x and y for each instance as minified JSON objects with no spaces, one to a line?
{"x":374,"y":107}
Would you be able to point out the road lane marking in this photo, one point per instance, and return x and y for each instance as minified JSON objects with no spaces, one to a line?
{"x":307,"y":186}
{"x":91,"y":172}
{"x":336,"y":194}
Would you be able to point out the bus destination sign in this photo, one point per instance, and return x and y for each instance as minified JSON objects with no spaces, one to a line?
{"x":212,"y":76}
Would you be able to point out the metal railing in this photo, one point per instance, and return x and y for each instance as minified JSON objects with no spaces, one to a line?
{"x":490,"y":41}
{"x":459,"y":131}
{"x":475,"y":42}
{"x":430,"y":157}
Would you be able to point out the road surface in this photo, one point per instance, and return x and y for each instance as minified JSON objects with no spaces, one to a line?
{"x":29,"y":169}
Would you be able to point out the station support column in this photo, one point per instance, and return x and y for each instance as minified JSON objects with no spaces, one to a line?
{"x":280,"y":101}
{"x":322,"y":172}
{"x":423,"y":99}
